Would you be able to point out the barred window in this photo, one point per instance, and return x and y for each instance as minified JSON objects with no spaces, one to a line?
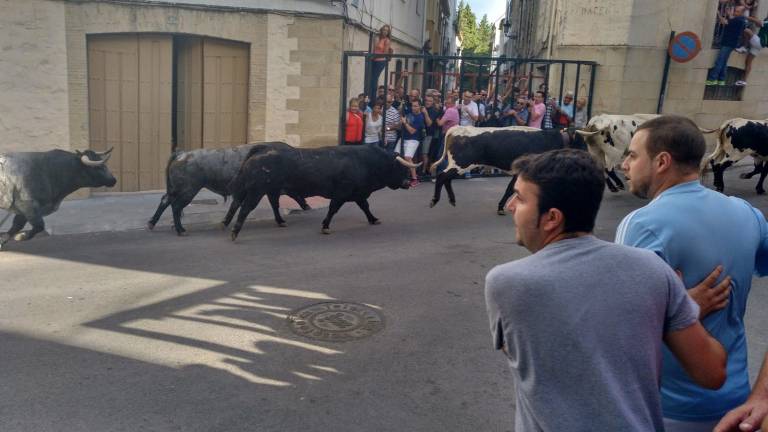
{"x":723,"y":9}
{"x":729,"y":91}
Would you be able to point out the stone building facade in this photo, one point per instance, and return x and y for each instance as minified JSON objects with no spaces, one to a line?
{"x":628,"y":39}
{"x":147,"y":77}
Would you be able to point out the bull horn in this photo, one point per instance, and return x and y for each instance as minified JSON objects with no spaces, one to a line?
{"x":405,"y":163}
{"x":586,"y":133}
{"x":105,"y":152}
{"x":84,"y":159}
{"x":707,"y":131}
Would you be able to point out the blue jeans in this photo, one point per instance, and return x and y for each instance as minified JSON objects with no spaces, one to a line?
{"x":717,"y":73}
{"x":376,"y":68}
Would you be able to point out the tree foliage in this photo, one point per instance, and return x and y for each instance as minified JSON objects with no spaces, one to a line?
{"x":476,"y":40}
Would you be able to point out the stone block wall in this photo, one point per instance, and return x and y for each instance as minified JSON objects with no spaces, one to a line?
{"x":33,"y":77}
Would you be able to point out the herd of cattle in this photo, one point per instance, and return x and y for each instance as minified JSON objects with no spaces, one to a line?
{"x":33,"y":184}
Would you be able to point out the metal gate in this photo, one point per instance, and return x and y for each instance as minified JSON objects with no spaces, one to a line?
{"x":444,"y":73}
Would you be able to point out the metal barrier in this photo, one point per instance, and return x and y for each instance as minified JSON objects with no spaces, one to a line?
{"x":494,"y":74}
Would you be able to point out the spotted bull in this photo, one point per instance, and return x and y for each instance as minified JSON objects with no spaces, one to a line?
{"x":608,"y":138}
{"x":736,"y":139}
{"x":340,"y":173}
{"x":467,"y":147}
{"x":33,"y":184}
{"x":189,"y":171}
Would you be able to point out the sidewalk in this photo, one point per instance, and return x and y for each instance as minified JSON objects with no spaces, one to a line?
{"x":131,"y":211}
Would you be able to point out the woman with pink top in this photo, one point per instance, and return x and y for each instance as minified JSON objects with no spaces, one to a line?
{"x":382,"y":46}
{"x":537,"y":110}
{"x":449,"y":119}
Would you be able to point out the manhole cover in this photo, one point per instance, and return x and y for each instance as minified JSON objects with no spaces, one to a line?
{"x":336,"y":321}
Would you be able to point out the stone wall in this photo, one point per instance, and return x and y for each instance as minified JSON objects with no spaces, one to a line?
{"x":33,"y":76}
{"x":318,"y":55}
{"x":628,"y":78}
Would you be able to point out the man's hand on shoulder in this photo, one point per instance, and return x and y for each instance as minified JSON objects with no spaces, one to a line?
{"x":709,"y":295}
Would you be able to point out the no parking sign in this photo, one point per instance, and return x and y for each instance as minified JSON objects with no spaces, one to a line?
{"x":684,"y":47}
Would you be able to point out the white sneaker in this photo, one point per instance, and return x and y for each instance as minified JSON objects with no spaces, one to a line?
{"x":741,"y":50}
{"x":740,"y":83}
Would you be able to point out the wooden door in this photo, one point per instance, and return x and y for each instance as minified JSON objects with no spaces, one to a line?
{"x":225,"y":93}
{"x":129,"y":85}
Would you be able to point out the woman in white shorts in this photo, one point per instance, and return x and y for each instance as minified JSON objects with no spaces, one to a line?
{"x":754,"y":49}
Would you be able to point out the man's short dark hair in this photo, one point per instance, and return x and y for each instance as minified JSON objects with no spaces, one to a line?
{"x":676,"y":135}
{"x":568,"y":180}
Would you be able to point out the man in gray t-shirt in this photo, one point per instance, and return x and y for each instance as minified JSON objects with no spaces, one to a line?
{"x":581,"y":321}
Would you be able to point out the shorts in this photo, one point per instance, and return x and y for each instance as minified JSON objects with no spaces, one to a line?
{"x":754,"y":45}
{"x":410,"y":147}
{"x":425,"y":144}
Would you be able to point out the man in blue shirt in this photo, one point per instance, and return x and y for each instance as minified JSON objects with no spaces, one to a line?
{"x":734,"y":24}
{"x":695,"y":229}
{"x":413,"y":125}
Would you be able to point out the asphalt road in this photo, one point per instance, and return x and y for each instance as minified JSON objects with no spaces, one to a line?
{"x":148,"y":331}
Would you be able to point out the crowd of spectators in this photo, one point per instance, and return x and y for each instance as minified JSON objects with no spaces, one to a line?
{"x":414,"y":125}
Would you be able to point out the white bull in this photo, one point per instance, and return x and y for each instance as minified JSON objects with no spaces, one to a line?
{"x":608,"y":137}
{"x":738,"y":138}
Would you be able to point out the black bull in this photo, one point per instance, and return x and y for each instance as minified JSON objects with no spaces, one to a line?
{"x":33,"y":184}
{"x":340,"y":173}
{"x":498,"y":149}
{"x":189,"y":171}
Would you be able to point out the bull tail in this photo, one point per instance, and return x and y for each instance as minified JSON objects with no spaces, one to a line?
{"x":448,"y":141}
{"x":717,"y":155}
{"x":719,"y":152}
{"x":237,"y":184}
{"x":174,"y":155}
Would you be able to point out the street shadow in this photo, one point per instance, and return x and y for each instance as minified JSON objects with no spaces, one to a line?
{"x":102,"y":391}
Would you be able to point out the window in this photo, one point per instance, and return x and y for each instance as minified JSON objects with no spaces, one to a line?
{"x":722,"y":10}
{"x":729,"y":91}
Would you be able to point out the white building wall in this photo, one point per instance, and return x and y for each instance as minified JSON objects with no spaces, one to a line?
{"x":405,"y":17}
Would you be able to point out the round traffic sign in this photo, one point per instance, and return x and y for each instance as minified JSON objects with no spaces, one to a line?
{"x":684,"y":47}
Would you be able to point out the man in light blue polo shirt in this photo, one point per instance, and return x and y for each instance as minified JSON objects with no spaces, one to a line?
{"x":695,"y":230}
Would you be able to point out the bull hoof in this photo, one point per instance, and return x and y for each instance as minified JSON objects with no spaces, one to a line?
{"x":500,"y":212}
{"x":745,"y":176}
{"x":761,"y":191}
{"x":282,"y":224}
{"x":181,"y":233}
{"x":621,"y":186}
{"x":326,"y":231}
{"x":375,"y":222}
{"x":233,"y":236}
{"x":222,"y":226}
{"x":150,"y":226}
{"x":432,"y":203}
{"x":453,"y":203}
